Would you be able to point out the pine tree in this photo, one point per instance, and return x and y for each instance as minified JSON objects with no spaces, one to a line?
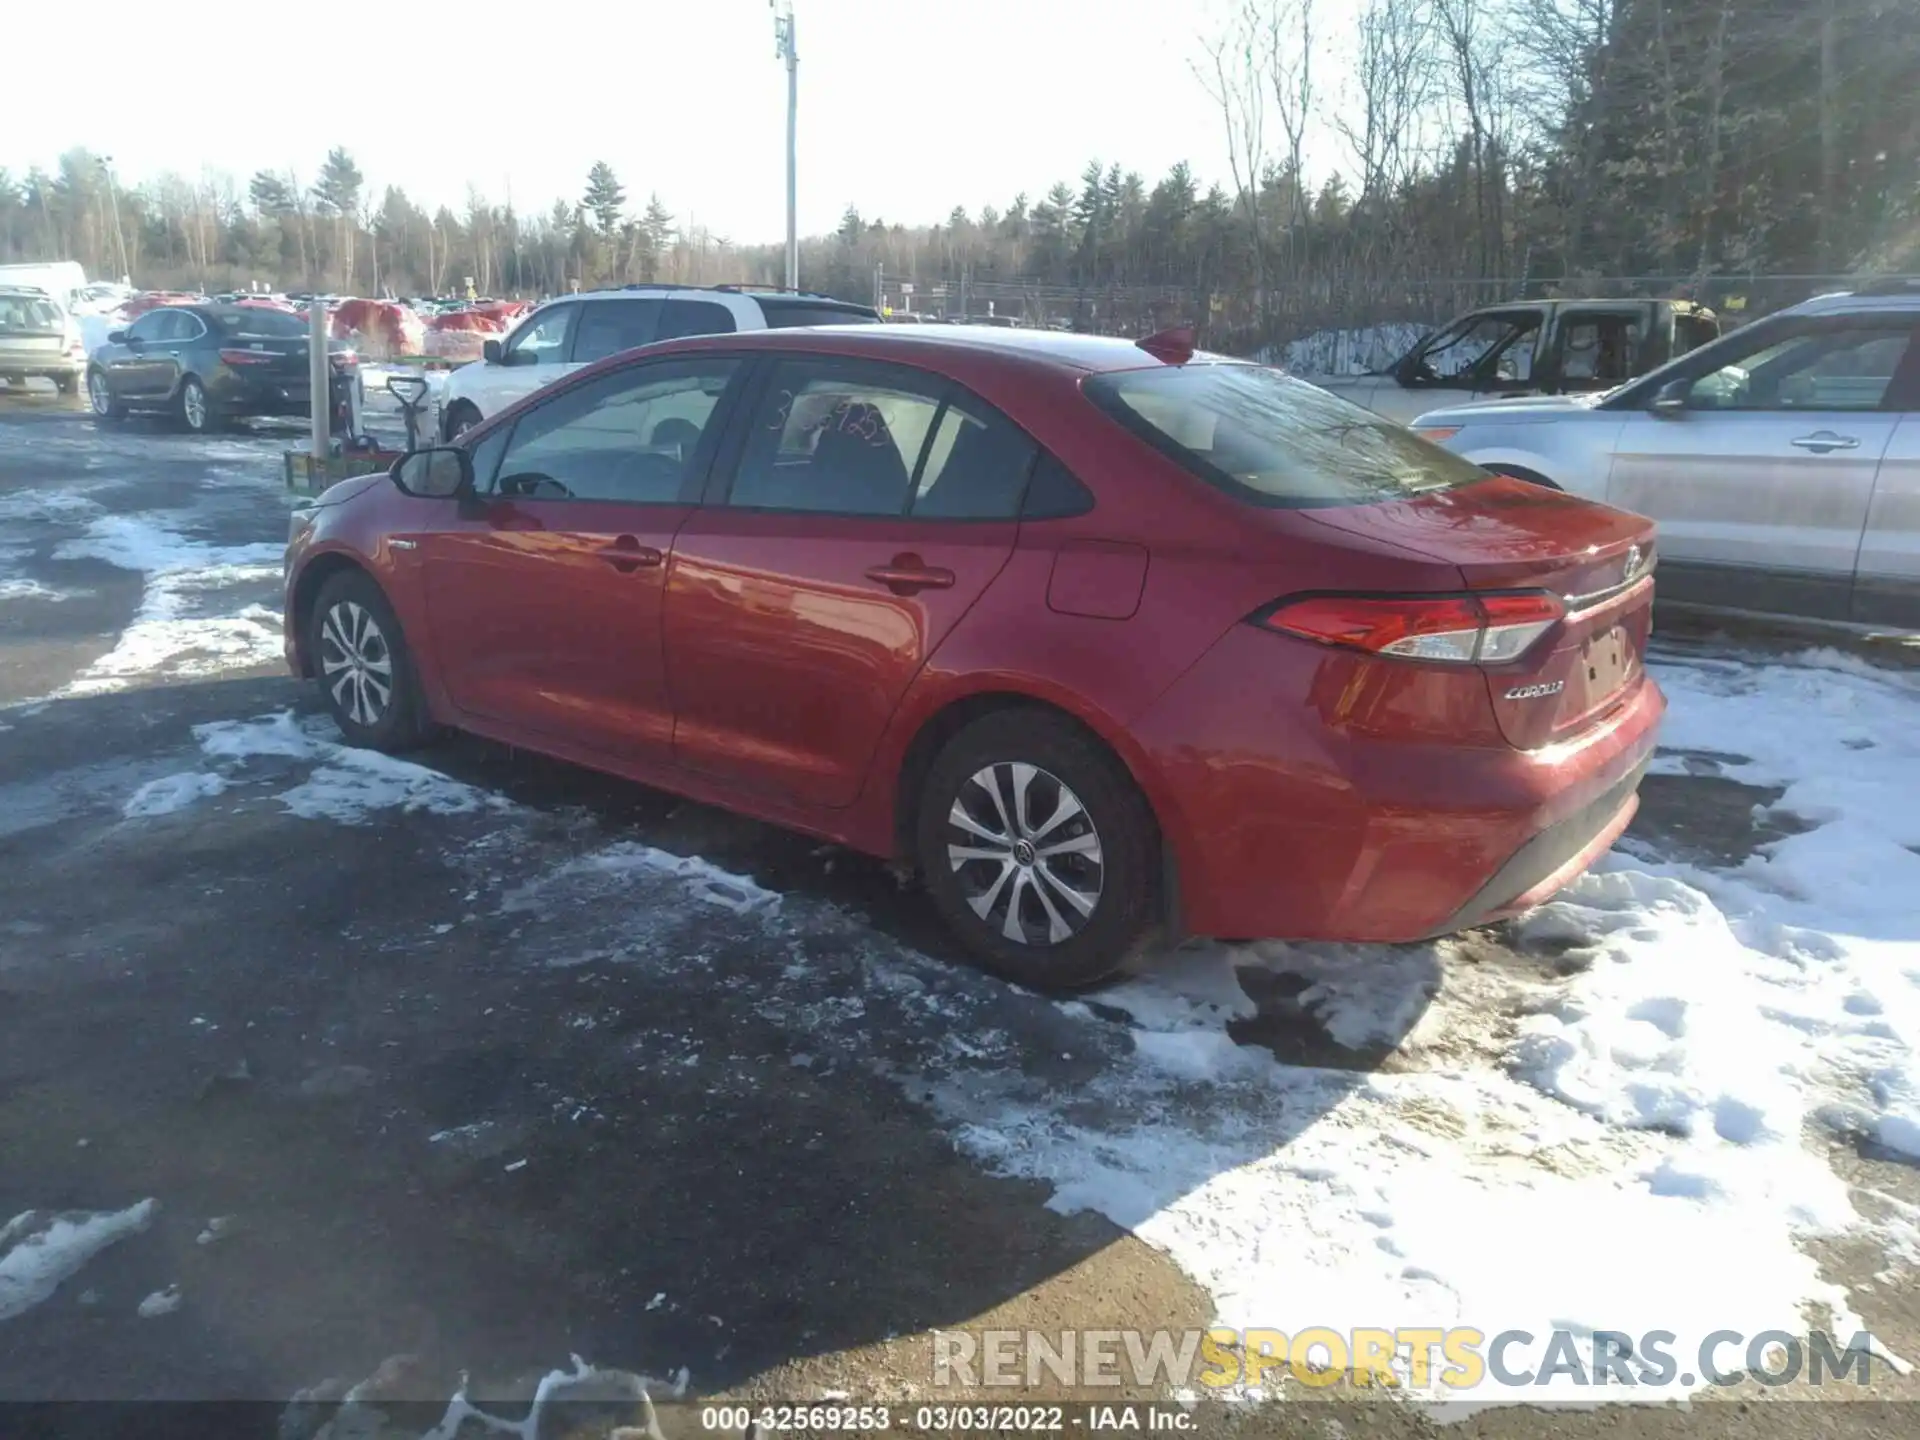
{"x":604,"y":199}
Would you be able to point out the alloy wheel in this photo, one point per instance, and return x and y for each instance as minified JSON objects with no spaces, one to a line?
{"x":97,"y":395}
{"x":1026,"y":853}
{"x":193,"y":406}
{"x":356,"y":663}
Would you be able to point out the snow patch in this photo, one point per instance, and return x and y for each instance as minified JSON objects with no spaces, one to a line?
{"x":348,"y":785}
{"x":38,"y":1251}
{"x":160,"y":1302}
{"x":19,"y":589}
{"x":173,"y":634}
{"x":173,"y":792}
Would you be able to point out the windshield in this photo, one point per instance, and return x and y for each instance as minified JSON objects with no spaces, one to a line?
{"x":1270,"y":439}
{"x":264,"y":324}
{"x":29,"y":312}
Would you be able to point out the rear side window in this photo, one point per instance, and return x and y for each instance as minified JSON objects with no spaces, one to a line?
{"x":694,"y":317}
{"x":1270,"y":439}
{"x":791,"y":314}
{"x":609,"y":326}
{"x":975,"y":466}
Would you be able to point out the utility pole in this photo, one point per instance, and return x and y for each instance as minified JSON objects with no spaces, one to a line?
{"x":119,"y":235}
{"x":786,"y":48}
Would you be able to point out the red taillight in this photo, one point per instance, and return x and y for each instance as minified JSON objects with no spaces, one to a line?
{"x":1455,"y":629}
{"x":345,"y":359}
{"x":247,"y":357}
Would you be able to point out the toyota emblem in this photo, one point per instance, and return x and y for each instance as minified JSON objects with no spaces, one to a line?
{"x":1633,"y":563}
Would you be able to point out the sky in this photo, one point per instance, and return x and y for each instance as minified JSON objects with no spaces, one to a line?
{"x":907,"y":107}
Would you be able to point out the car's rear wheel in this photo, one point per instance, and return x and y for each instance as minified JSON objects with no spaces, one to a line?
{"x":363,"y":665}
{"x":101,"y":399}
{"x":192,"y":408}
{"x":1039,"y":850}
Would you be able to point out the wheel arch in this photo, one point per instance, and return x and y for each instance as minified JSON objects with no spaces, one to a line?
{"x":1520,"y":472}
{"x":451,"y":413}
{"x":306,"y":590}
{"x":948,"y":718}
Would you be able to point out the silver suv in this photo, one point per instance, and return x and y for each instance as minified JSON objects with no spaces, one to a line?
{"x":1782,"y":461}
{"x":576,"y":330}
{"x":39,"y":339}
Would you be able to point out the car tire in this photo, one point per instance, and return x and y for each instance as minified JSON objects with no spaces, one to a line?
{"x":363,"y":666}
{"x":192,"y":408}
{"x":461,"y":417}
{"x":101,"y":400}
{"x":1078,"y":797}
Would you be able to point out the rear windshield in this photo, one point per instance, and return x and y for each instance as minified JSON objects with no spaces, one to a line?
{"x":29,"y":312}
{"x":791,"y":314}
{"x":1270,"y":439}
{"x":265,"y":324}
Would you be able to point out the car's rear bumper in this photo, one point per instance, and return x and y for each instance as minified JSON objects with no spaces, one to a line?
{"x":39,"y":365}
{"x":1284,"y":825}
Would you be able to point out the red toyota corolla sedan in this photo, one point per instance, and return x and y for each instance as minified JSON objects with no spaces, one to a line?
{"x":1107,"y":640}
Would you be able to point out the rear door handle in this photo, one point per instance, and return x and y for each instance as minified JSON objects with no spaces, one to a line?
{"x":627,"y":555}
{"x":1822,"y":441}
{"x":908,"y":574}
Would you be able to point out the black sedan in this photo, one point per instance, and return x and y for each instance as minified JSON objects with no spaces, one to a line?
{"x":204,"y":364}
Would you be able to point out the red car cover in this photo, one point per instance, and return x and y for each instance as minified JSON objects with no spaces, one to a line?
{"x":379,"y":328}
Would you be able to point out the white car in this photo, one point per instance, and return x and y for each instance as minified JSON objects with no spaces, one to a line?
{"x":1782,"y":461}
{"x":576,"y":330}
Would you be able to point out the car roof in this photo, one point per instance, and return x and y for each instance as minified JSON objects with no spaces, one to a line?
{"x":916,"y":344}
{"x":1858,"y":302}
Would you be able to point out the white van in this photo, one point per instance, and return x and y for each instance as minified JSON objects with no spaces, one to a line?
{"x":62,"y":279}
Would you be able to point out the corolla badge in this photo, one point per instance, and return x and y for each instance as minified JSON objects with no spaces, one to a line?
{"x":1535,"y":692}
{"x":1634,"y":558}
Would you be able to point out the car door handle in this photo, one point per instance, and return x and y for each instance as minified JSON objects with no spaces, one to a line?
{"x":1821,"y":441}
{"x":907,"y":574}
{"x":627,"y":554}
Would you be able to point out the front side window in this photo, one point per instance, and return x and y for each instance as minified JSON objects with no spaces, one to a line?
{"x":609,"y":326}
{"x":1270,"y":439}
{"x":836,"y":438}
{"x":1842,"y":367}
{"x":180,"y":325}
{"x":630,"y":436}
{"x":543,"y":339}
{"x":1484,"y":349}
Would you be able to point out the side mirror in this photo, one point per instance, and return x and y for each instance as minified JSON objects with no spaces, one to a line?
{"x":1670,"y":400}
{"x":442,"y":473}
{"x":116,"y":337}
{"x":490,"y":352}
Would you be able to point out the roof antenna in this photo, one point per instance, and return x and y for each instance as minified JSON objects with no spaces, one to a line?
{"x":1174,"y":345}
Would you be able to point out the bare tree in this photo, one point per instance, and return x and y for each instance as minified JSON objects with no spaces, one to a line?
{"x":1232,"y":74}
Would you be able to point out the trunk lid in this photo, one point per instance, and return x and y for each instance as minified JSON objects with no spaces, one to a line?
{"x":1505,"y":534}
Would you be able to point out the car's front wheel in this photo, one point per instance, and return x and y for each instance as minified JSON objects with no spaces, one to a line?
{"x":1039,"y":850}
{"x":101,"y":399}
{"x":363,"y":665}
